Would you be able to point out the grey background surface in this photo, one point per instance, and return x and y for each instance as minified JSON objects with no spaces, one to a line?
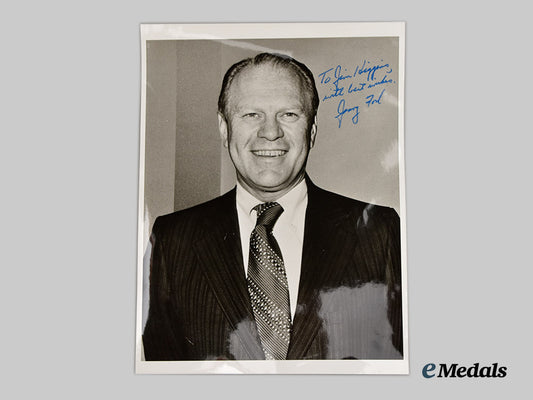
{"x":69,"y":159}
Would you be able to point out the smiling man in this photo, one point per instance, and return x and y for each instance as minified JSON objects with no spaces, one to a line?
{"x":269,"y":126}
{"x":277,"y":268}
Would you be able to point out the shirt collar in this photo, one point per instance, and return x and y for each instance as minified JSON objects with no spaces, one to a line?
{"x":290,"y":201}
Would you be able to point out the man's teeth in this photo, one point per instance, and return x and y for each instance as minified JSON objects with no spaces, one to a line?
{"x":269,"y":153}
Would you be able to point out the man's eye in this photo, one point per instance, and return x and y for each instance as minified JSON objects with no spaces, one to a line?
{"x":289,"y":116}
{"x":251,"y":115}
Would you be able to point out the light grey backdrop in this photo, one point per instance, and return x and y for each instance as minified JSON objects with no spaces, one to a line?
{"x":69,"y":158}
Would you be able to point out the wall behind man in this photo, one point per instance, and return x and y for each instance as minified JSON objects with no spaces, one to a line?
{"x":160,"y":140}
{"x":182,"y":150}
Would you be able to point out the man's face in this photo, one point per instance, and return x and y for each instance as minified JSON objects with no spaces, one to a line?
{"x":268,"y":130}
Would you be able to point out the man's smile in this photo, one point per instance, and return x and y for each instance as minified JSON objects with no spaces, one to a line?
{"x":269,"y":153}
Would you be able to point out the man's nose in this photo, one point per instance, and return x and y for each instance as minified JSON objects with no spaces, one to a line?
{"x":271,"y":129}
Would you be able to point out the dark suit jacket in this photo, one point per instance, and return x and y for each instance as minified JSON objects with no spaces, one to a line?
{"x":349,"y":299}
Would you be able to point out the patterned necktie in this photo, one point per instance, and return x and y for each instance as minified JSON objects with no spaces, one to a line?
{"x":267,"y":284}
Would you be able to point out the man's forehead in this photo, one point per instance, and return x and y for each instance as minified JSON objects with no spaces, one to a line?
{"x":256,"y":73}
{"x":269,"y":77}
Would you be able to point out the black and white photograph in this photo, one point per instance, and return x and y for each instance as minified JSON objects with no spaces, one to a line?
{"x":271,"y":202}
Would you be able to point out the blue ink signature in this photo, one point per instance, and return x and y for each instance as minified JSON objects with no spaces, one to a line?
{"x":362,"y":84}
{"x":342,"y":110}
{"x":370,"y":100}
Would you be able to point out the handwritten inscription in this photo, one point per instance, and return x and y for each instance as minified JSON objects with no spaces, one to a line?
{"x":363,"y":85}
{"x":342,"y":110}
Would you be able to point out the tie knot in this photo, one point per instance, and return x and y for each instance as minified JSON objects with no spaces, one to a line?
{"x":268,"y":213}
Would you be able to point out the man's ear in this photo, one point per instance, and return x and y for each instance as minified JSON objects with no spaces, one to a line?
{"x":223,"y":129}
{"x":312,"y":134}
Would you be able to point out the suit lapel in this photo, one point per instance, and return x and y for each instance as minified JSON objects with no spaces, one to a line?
{"x":329,"y":241}
{"x":220,"y":255}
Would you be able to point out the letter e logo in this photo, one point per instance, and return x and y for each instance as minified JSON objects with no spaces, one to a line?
{"x":428,"y":368}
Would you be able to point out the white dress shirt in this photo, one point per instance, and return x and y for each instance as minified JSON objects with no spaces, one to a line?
{"x":288,"y":231}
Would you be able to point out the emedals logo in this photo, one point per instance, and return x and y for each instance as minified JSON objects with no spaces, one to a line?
{"x":455,"y":371}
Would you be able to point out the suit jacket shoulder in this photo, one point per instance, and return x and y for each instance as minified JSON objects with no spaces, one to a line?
{"x":334,"y":205}
{"x":371,"y":231}
{"x":182,"y":223}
